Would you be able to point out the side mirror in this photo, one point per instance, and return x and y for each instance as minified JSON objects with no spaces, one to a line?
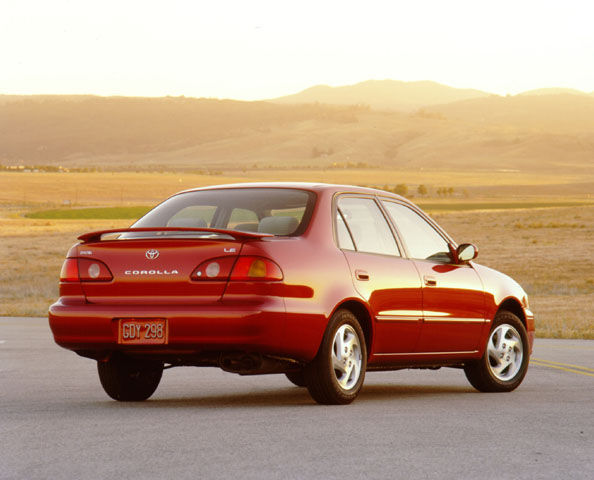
{"x":466,"y":252}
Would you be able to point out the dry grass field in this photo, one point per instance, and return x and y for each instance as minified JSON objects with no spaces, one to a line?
{"x":32,"y":253}
{"x":46,"y":190}
{"x":548,"y":250}
{"x":39,"y":190}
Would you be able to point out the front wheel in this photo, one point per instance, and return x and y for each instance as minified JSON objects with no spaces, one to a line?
{"x":336,"y":375}
{"x":505,"y":361}
{"x":129,"y":380}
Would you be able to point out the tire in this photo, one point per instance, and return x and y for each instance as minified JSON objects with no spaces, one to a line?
{"x":505,"y":361}
{"x":129,"y":380}
{"x":336,"y":375}
{"x":297,"y":378}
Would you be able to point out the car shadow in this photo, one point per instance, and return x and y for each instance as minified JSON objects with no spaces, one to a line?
{"x":289,"y":397}
{"x":381,"y":392}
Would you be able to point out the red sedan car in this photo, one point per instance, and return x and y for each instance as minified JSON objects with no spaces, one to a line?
{"x":319,"y":282}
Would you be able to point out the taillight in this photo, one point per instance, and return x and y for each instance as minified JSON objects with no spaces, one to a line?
{"x":93,"y":271}
{"x":256,"y":268}
{"x":85,"y":270}
{"x":69,"y":272}
{"x":214,"y":269}
{"x":244,"y":268}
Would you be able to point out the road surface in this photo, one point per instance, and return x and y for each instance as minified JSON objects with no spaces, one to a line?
{"x":57,"y":423}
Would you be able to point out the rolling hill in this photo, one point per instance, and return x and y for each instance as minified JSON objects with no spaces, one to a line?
{"x":528,"y":133}
{"x":80,"y":129}
{"x":559,"y":113}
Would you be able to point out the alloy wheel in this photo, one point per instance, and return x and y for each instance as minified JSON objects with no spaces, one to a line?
{"x":346,"y":357}
{"x":505,"y":352}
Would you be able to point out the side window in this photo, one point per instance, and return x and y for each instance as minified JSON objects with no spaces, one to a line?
{"x":422,"y":240}
{"x":344,"y":237}
{"x":370,"y":230}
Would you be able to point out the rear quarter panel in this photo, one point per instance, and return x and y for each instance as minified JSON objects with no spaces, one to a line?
{"x":316,"y":279}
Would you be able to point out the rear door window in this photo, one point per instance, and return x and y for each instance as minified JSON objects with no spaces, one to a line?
{"x":342,"y":234}
{"x":368,"y":227}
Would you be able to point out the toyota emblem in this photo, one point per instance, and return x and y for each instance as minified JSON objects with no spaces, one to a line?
{"x":151,"y":254}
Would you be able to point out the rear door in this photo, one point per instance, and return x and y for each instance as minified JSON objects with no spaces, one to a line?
{"x":388,"y":282}
{"x":453,"y":295}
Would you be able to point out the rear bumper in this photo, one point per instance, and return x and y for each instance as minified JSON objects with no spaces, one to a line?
{"x":192,"y":329}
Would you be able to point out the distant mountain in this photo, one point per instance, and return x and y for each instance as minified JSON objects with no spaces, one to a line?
{"x":560,"y":113}
{"x":10,"y":98}
{"x":556,"y":91}
{"x":384,"y":95}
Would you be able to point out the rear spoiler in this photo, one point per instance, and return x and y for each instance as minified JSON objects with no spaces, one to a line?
{"x":237,"y":235}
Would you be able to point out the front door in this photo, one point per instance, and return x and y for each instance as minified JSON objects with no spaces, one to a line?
{"x":453,"y":308}
{"x":453,"y":294}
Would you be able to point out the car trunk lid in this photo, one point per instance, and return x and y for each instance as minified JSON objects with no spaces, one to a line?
{"x":153,"y":266}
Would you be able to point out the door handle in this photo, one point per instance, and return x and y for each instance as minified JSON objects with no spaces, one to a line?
{"x":430,"y":281}
{"x":361,"y":275}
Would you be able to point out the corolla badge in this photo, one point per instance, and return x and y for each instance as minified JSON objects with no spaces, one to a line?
{"x":151,"y":254}
{"x":151,"y":272}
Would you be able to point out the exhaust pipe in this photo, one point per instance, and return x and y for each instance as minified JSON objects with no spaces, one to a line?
{"x":242,"y":363}
{"x":255,"y":364}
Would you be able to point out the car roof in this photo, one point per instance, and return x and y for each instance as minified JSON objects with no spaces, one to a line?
{"x":313,"y":186}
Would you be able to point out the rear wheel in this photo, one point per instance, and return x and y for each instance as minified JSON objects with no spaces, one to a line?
{"x":505,"y":361}
{"x":129,"y":380}
{"x":297,"y":378}
{"x":336,"y":375}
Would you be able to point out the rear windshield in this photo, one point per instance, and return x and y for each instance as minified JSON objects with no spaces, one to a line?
{"x":279,"y":211}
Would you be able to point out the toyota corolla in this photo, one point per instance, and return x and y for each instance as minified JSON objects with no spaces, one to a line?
{"x":318,"y":282}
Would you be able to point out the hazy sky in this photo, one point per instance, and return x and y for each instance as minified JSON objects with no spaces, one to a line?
{"x":261,"y":49}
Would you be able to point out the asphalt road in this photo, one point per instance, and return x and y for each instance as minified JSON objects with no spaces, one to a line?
{"x":56,"y":422}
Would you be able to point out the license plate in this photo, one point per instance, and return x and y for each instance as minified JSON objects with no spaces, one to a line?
{"x":154,"y":331}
